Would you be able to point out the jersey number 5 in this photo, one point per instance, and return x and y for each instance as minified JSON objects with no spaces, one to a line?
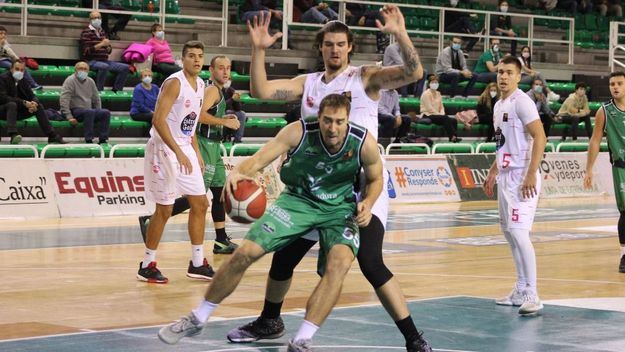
{"x":515,"y":215}
{"x":506,"y":160}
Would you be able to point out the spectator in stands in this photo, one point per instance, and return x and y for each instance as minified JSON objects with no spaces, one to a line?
{"x":95,"y":50}
{"x":451,"y":66}
{"x":569,"y":6}
{"x":461,"y":22}
{"x":502,"y":26}
{"x":233,"y":107}
{"x":529,"y":75}
{"x":144,"y":98}
{"x":485,"y":104}
{"x":584,"y":6}
{"x":575,"y":109}
{"x":394,"y":124}
{"x":80,"y":102}
{"x":253,"y":8}
{"x":121,"y":20}
{"x":313,"y":11}
{"x":486,"y":67}
{"x":612,"y":7}
{"x":392,"y":57}
{"x":361,"y":15}
{"x":537,"y":94}
{"x":432,"y":108}
{"x":17,"y":102}
{"x":163,"y":58}
{"x":7,"y":56}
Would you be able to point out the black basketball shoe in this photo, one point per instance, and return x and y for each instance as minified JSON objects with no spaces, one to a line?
{"x":202,"y":272}
{"x":621,"y":267}
{"x":151,"y":274}
{"x":418,"y":344}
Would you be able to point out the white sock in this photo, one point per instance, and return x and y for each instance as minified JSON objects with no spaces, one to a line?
{"x":622,"y":250}
{"x":528,"y":257}
{"x":204,"y":310}
{"x":197,"y":255}
{"x":521,"y":279}
{"x":306,"y":331}
{"x":148,"y":256}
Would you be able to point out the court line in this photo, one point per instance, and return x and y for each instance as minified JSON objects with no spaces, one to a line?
{"x":602,"y":282}
{"x":328,"y":346}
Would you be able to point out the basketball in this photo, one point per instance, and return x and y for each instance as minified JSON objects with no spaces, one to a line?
{"x":247,"y":203}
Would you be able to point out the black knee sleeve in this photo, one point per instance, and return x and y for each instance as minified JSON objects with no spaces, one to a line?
{"x":217,"y":208}
{"x":621,"y":228}
{"x":370,"y":254}
{"x":285,"y":260}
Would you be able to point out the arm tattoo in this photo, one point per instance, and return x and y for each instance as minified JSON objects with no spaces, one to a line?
{"x":282,"y":94}
{"x":411,"y":61}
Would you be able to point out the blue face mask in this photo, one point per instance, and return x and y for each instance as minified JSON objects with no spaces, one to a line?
{"x":455,"y":46}
{"x":82,"y":75}
{"x":538,"y":89}
{"x":18,"y":75}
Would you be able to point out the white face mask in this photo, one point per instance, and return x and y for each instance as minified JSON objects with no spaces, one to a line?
{"x":18,"y":75}
{"x":493,"y":94}
{"x":147,"y":79}
{"x":453,"y":2}
{"x":504,"y":9}
{"x":526,"y":55}
{"x":82,"y":75}
{"x":227,"y":84}
{"x":434,"y":86}
{"x":160,"y":35}
{"x":495,"y":48}
{"x":96,"y":23}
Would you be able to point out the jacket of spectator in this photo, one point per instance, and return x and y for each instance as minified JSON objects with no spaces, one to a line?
{"x":494,"y":57}
{"x":162,"y":51}
{"x":444,"y":62}
{"x":89,"y":38}
{"x":389,"y":102}
{"x":79,"y":94}
{"x":17,"y":93}
{"x":575,"y":106}
{"x":542,"y":105}
{"x":6,"y":53}
{"x":432,"y":103}
{"x":143,"y":100}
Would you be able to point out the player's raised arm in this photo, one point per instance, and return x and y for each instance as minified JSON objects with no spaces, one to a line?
{"x":372,"y":165}
{"x":593,"y":146}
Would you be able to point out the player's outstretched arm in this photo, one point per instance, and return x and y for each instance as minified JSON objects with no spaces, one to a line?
{"x":372,"y":165}
{"x":535,"y":129}
{"x":593,"y":146}
{"x":260,"y":87}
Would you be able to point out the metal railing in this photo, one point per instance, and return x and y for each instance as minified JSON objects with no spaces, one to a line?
{"x":615,"y":59}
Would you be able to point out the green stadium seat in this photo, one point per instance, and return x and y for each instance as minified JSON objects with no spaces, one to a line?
{"x":452,"y":148}
{"x":72,"y":150}
{"x":127,"y":151}
{"x":18,"y":151}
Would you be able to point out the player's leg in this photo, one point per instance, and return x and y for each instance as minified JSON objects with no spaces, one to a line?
{"x":223,"y":245}
{"x":198,"y":265}
{"x":147,"y":268}
{"x":515,"y":297}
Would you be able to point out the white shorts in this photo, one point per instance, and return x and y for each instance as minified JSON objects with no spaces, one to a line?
{"x":164,"y":182}
{"x":515,"y":212}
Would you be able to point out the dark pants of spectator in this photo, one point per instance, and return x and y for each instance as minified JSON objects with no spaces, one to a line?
{"x":487,"y":119}
{"x":142,"y":116}
{"x":414,"y":88}
{"x":388,"y":126}
{"x":13,"y":112}
{"x":166,"y":69}
{"x":103,"y":67}
{"x":484,"y":77}
{"x":238,"y":135}
{"x":547,"y":121}
{"x":120,"y":20}
{"x":381,"y":40}
{"x":569,"y":6}
{"x":88,"y":118}
{"x":453,"y":79}
{"x":27,"y":76}
{"x":449,"y":124}
{"x":574,"y":122}
{"x":512,"y":42}
{"x":464,"y":25}
{"x":313,"y":15}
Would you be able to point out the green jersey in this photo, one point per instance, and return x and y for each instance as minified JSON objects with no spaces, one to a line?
{"x":311,"y":171}
{"x":218,"y":110}
{"x":615,"y":129}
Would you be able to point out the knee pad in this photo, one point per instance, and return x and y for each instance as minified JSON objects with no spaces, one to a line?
{"x":285,"y":260}
{"x":217,"y":208}
{"x":370,"y":254}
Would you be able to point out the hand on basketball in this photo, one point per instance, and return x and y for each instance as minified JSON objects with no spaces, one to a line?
{"x":185,"y":164}
{"x":231,"y":122}
{"x":259,"y":31}
{"x":363,"y":214}
{"x":393,"y":20}
{"x":588,"y":179}
{"x":528,"y":188}
{"x":489,"y":184}
{"x":232,"y":181}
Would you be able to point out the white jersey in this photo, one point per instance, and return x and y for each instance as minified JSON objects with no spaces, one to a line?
{"x":185,"y":112}
{"x":364,"y":110}
{"x":514,"y":143}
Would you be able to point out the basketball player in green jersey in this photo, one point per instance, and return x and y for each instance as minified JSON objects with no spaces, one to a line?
{"x":610,"y":119}
{"x":322,"y":165}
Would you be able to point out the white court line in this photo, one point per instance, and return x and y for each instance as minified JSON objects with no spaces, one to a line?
{"x":602,"y":282}
{"x":328,"y":346}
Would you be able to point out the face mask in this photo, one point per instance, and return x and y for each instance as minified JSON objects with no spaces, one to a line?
{"x":495,"y":48}
{"x":160,"y":35}
{"x":96,"y":23}
{"x":227,"y":84}
{"x":455,"y":46}
{"x":82,"y":75}
{"x":453,"y":2}
{"x":18,"y":75}
{"x":147,"y":79}
{"x":526,"y":55}
{"x":493,"y":94}
{"x":434,"y":86}
{"x":538,"y":89}
{"x":504,"y":9}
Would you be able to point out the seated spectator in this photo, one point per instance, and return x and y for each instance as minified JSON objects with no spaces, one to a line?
{"x":253,"y":8}
{"x":361,"y":15}
{"x":80,"y":102}
{"x":502,"y":26}
{"x":389,"y":115}
{"x":121,"y":20}
{"x":95,"y":50}
{"x":7,"y":56}
{"x":611,"y":7}
{"x":486,"y":67}
{"x":485,"y":104}
{"x":584,"y":6}
{"x":575,"y":109}
{"x":313,"y":11}
{"x":17,"y":102}
{"x":536,"y":93}
{"x":432,"y":108}
{"x":144,"y":98}
{"x":162,"y":57}
{"x":451,"y":66}
{"x":393,"y":57}
{"x":529,"y":75}
{"x":461,"y":22}
{"x":233,"y":107}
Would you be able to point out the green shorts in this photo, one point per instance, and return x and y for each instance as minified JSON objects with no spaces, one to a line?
{"x":215,"y":172}
{"x":290,"y":217}
{"x":618,"y":178}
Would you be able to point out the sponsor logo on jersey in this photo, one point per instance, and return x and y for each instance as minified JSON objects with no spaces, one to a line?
{"x":311,"y":151}
{"x":187,"y":124}
{"x":310,"y":101}
{"x":505,"y":117}
{"x":269,"y":227}
{"x":187,"y":103}
{"x":500,"y":139}
{"x":156,"y":168}
{"x":348,"y":155}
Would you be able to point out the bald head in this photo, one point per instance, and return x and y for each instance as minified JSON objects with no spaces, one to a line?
{"x":94,"y":15}
{"x":81,"y":66}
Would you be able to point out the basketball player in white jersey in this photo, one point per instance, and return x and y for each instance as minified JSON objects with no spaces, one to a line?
{"x":173,"y":165}
{"x":362,"y":84}
{"x":521,"y":143}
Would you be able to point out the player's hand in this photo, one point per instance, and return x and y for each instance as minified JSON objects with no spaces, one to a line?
{"x":231,"y":122}
{"x":588,"y":179}
{"x":236,"y":97}
{"x":259,"y":31}
{"x":393,"y":20}
{"x":489,"y":184}
{"x":363,"y":214}
{"x":232,"y":181}
{"x":185,"y":164}
{"x":528,"y":188}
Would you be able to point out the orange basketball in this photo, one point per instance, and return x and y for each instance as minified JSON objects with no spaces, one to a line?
{"x":247,"y":203}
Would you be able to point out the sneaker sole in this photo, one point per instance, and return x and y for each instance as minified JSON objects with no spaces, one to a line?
{"x":254,"y":339}
{"x":221,"y":251}
{"x":175,"y":342}
{"x":151,"y":281}
{"x":199,"y":277}
{"x":531,"y":314}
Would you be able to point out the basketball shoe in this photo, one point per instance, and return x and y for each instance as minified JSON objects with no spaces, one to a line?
{"x":202,"y":272}
{"x":418,"y":344}
{"x":621,"y":267}
{"x":531,"y":304}
{"x":261,"y":328}
{"x":299,"y":346}
{"x":151,"y":274}
{"x":515,"y":298}
{"x":226,"y":247}
{"x":186,"y":326}
{"x":144,"y":221}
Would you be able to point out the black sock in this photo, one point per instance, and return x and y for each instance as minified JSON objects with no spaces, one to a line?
{"x":220,"y":235}
{"x":407,"y":328}
{"x":621,"y":228}
{"x":271,"y":310}
{"x":180,"y":205}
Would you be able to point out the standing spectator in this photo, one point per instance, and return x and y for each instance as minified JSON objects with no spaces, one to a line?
{"x":361,"y":15}
{"x":433,"y":109}
{"x":144,"y":98}
{"x":451,"y":66}
{"x":390,"y":116}
{"x":121,"y":20}
{"x":486,"y":67}
{"x":313,"y":11}
{"x":529,"y":75}
{"x":461,"y":22}
{"x":575,"y":109}
{"x":17,"y":102}
{"x":612,"y":7}
{"x":392,"y":57}
{"x":485,"y":104}
{"x":233,"y":107}
{"x":163,"y":58}
{"x":7,"y":56}
{"x":95,"y":49}
{"x":80,"y":102}
{"x":502,"y":26}
{"x":542,"y":104}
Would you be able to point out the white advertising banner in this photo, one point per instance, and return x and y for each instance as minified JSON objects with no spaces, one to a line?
{"x":26,"y":190}
{"x":414,"y":179}
{"x":99,"y":187}
{"x":563,"y":175}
